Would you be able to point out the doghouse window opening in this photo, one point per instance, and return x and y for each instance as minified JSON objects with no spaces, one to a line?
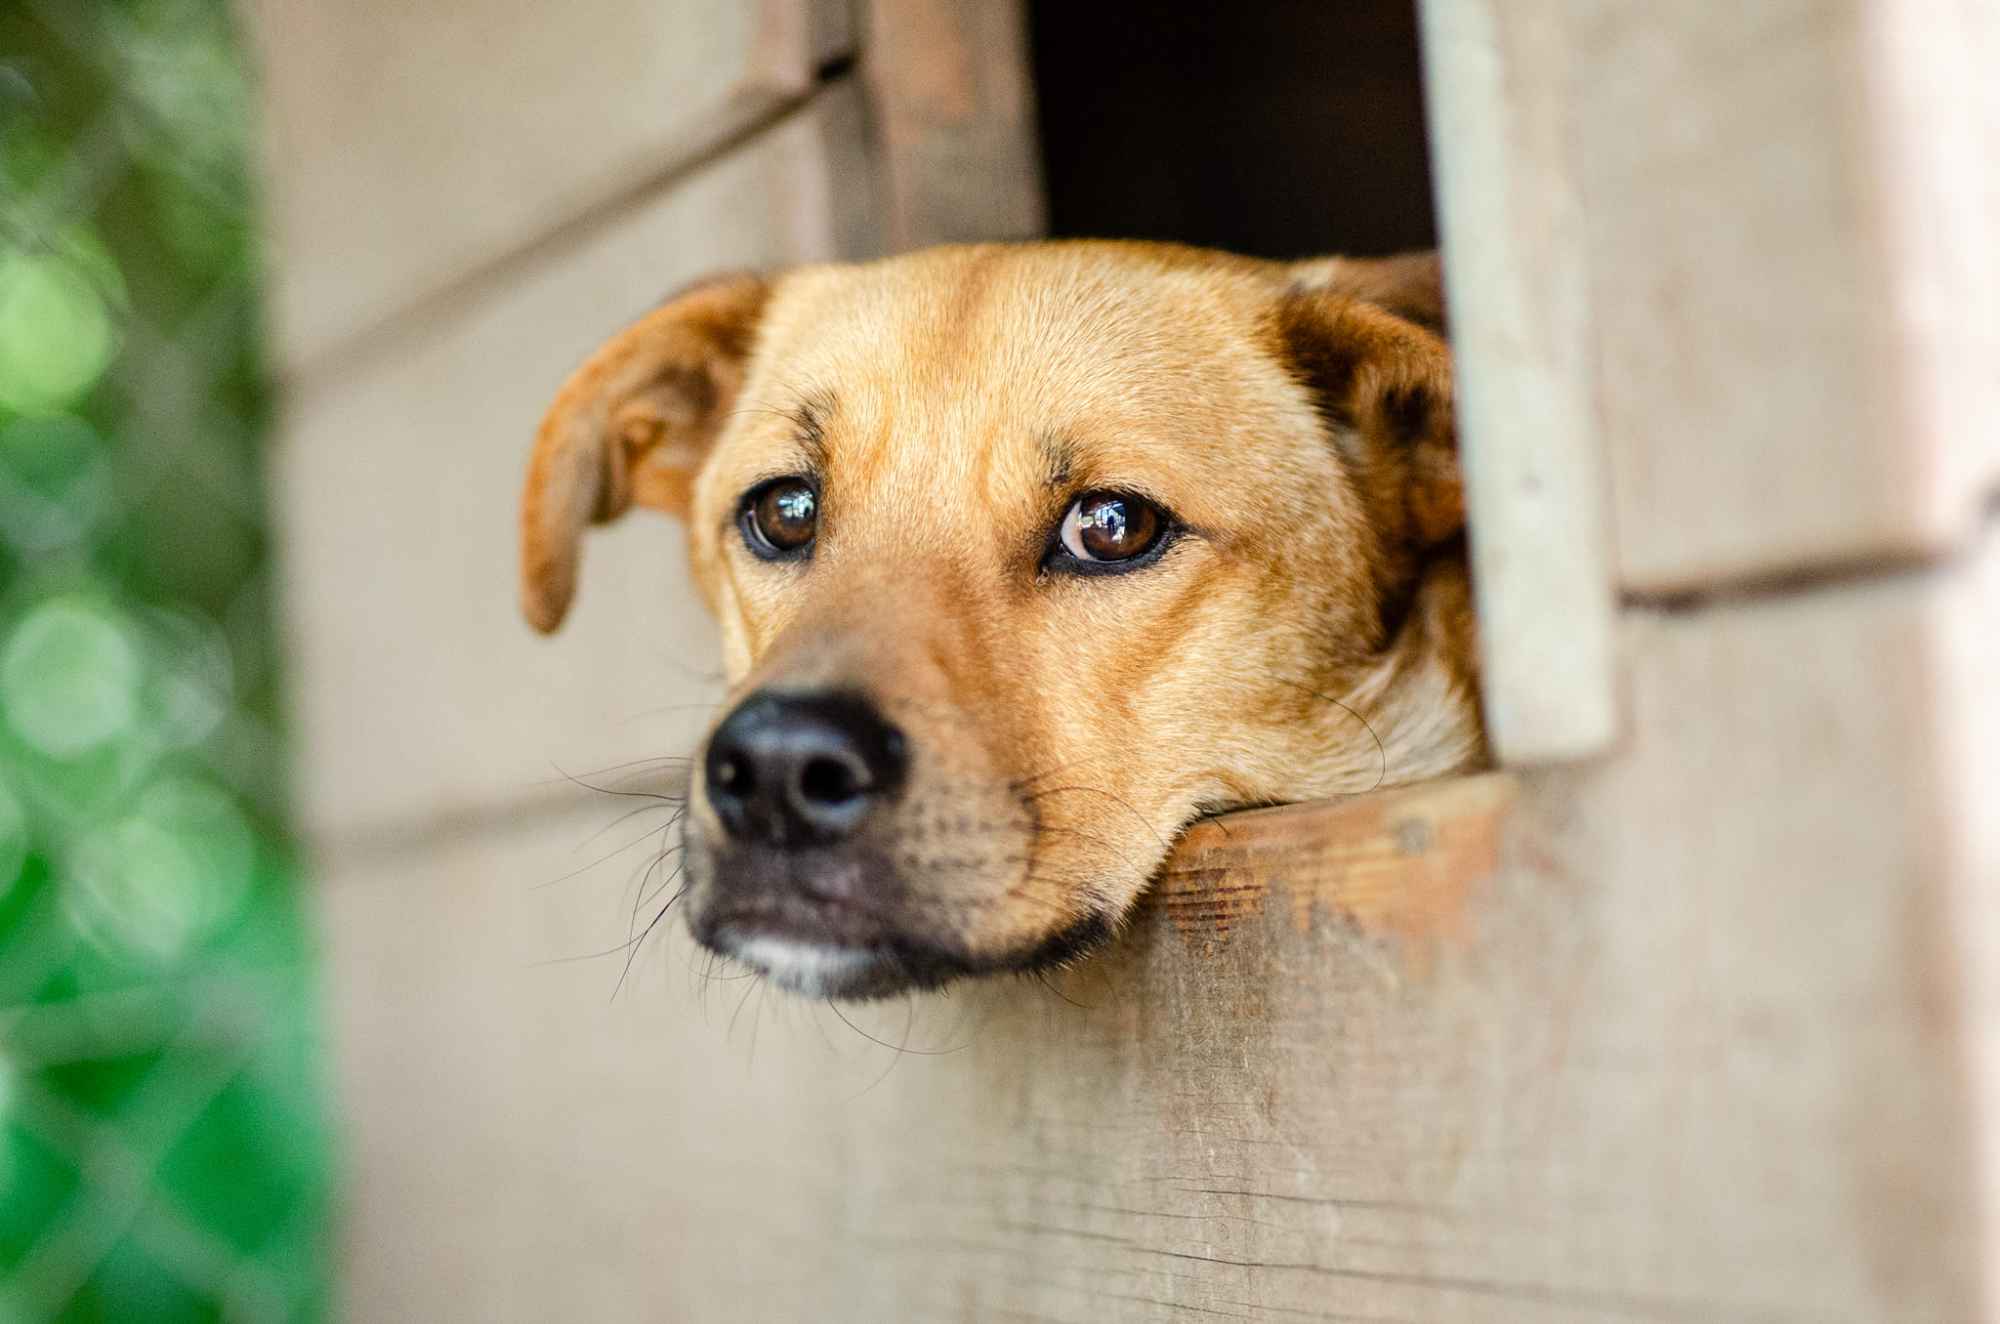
{"x":1296,"y":128}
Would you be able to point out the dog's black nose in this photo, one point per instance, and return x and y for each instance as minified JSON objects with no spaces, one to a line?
{"x":798,"y":770}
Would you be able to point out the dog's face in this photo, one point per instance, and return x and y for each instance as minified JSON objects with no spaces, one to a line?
{"x":1024,"y":557}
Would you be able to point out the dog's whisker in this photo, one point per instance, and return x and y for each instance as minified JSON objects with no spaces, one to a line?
{"x":893,"y":1060}
{"x":606,"y":790}
{"x":903,"y":1048}
{"x":1042,"y":978}
{"x":756,"y":1016}
{"x":640,"y":899}
{"x":1113,"y":796}
{"x":632,"y":951}
{"x":627,"y":817}
{"x":573,"y":959}
{"x":741,"y":1002}
{"x":1094,"y":839}
{"x":665,"y":882}
{"x":611,"y":855}
{"x":683,"y":759}
{"x":1381,"y":750}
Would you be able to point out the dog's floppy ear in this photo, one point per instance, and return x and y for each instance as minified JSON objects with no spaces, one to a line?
{"x":1383,"y":383}
{"x":1410,"y":285}
{"x":632,"y":425}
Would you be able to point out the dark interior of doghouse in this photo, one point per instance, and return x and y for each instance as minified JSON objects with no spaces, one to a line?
{"x":1281,"y":128}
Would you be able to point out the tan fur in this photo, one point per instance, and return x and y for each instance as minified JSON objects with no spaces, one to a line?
{"x":1313,"y":637}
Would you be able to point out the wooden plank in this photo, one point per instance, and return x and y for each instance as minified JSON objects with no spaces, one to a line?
{"x":795,"y":42}
{"x":1968,"y":781}
{"x":1396,"y":865}
{"x":1935,"y":139}
{"x":1513,"y":241}
{"x":1684,"y":1034}
{"x":1790,"y":250}
{"x":419,"y":693}
{"x":955,"y":109}
{"x":411,"y":149}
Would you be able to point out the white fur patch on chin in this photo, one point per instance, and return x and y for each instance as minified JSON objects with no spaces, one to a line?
{"x":812,"y":970}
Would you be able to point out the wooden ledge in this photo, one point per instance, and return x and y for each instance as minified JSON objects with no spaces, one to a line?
{"x":1400,"y":863}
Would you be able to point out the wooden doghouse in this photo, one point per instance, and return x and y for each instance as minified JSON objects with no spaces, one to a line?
{"x":1691,"y":1011}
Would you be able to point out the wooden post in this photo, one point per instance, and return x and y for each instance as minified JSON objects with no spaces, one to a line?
{"x":955,"y":107}
{"x":1496,"y":76}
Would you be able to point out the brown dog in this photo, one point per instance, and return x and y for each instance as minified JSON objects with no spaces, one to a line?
{"x":1025,"y":557}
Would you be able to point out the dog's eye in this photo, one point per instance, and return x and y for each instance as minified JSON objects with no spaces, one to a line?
{"x":780,"y":519}
{"x":1109,"y":527}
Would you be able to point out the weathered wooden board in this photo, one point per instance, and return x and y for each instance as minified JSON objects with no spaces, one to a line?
{"x":955,"y":108}
{"x":419,"y":693}
{"x":1934,"y":131}
{"x":1496,"y":85}
{"x":413,"y":145}
{"x":1968,"y":812}
{"x":1791,"y":247}
{"x":1686,"y":1035}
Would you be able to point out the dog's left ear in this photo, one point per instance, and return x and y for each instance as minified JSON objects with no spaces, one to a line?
{"x":1410,"y":285}
{"x":1383,"y":384}
{"x":632,"y":427}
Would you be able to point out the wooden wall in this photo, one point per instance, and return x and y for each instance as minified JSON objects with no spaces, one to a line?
{"x":1690,"y":1015}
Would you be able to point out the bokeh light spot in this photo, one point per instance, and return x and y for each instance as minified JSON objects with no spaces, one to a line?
{"x":56,"y":334}
{"x":192,"y":678}
{"x":69,"y":679}
{"x":164,"y":877}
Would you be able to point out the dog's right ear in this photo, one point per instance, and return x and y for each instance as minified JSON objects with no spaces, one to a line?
{"x":632,"y":426}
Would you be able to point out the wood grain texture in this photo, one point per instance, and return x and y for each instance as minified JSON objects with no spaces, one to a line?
{"x":1400,"y":864}
{"x":1686,"y":1034}
{"x":1790,"y":248}
{"x":412,"y":149}
{"x":954,"y":106}
{"x":1497,"y":79}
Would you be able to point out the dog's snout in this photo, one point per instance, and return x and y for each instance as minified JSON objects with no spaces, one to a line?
{"x":797,"y":770}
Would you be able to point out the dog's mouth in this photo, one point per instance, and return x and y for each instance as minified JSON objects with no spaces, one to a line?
{"x":830,"y":949}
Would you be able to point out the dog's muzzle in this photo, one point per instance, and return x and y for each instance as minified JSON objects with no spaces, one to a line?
{"x":801,"y":889}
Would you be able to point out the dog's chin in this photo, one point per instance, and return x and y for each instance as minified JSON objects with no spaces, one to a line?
{"x":817,"y":966}
{"x":815,"y":969}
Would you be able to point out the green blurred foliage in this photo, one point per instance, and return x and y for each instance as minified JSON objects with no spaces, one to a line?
{"x":163,"y":1146}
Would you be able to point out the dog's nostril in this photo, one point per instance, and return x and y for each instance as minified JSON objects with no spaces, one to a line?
{"x":829,"y":782}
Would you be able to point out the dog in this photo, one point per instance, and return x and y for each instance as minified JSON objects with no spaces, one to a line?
{"x":1025,"y":557}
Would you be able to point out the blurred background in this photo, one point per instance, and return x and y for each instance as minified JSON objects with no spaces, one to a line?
{"x":163,"y":1143}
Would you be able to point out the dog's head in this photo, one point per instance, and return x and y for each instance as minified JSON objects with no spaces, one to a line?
{"x":1025,"y":557}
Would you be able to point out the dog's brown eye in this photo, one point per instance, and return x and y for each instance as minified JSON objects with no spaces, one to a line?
{"x":1111,"y":527}
{"x":781,"y":518}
